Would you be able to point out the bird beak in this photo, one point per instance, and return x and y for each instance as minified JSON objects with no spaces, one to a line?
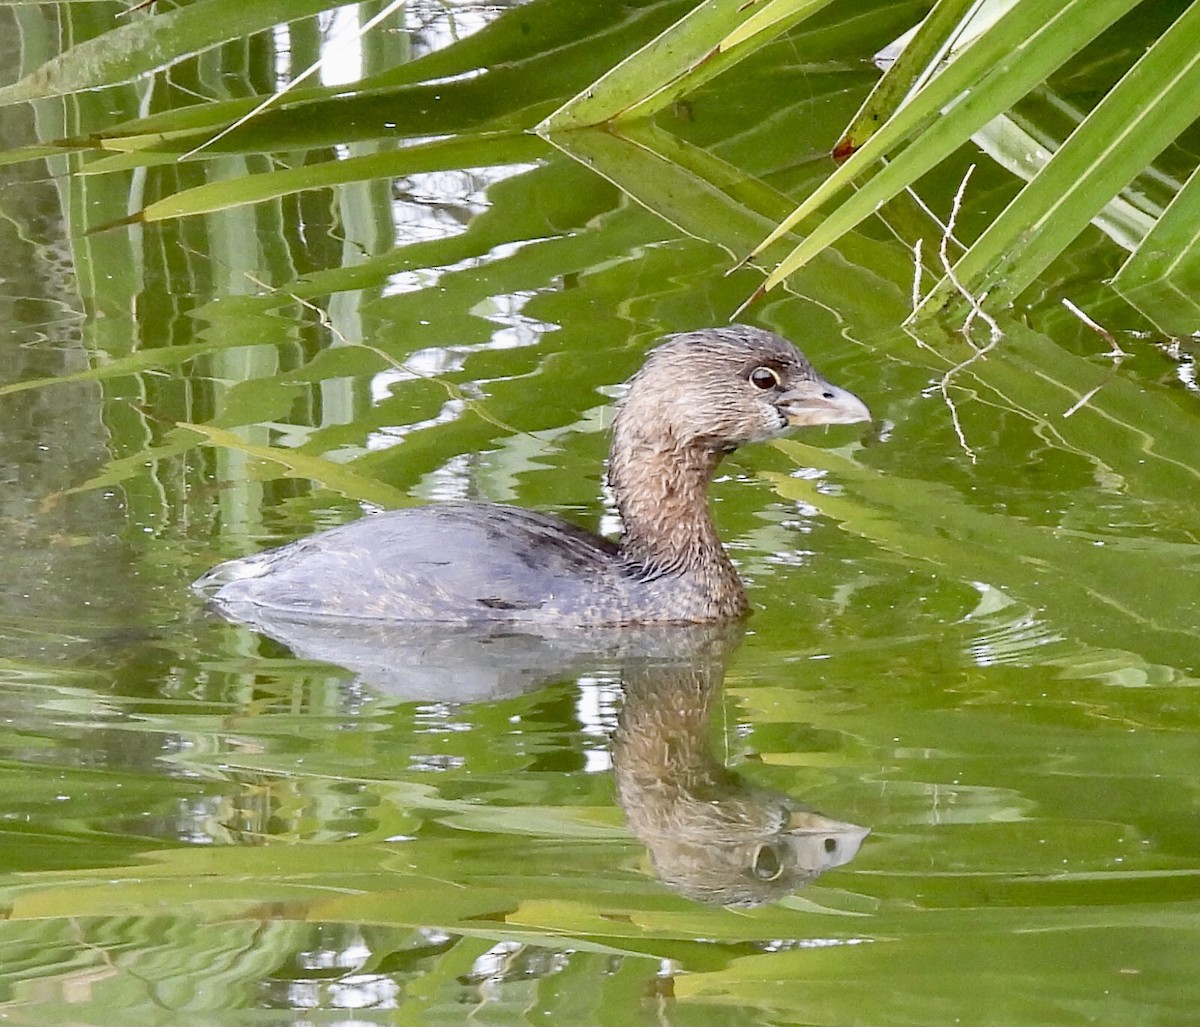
{"x":818,"y":843}
{"x":804,"y":821}
{"x":818,"y":402}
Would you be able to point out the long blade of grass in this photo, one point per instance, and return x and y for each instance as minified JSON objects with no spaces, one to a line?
{"x":519,"y":54}
{"x":1140,"y":116}
{"x":120,"y":470}
{"x":710,"y":199}
{"x":769,"y":20}
{"x":470,"y":107}
{"x":696,"y":48}
{"x":134,"y":363}
{"x":1171,"y":250}
{"x":985,"y":78}
{"x":685,"y":186}
{"x":928,"y":46}
{"x":1162,"y":276}
{"x":1171,"y":307}
{"x":1023,"y":143}
{"x":21,"y":154}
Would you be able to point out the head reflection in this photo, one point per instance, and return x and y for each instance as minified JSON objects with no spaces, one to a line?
{"x":711,"y":835}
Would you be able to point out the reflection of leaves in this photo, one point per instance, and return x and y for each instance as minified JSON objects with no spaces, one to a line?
{"x":178,"y":440}
{"x":563,"y":916}
{"x":565,"y":251}
{"x":905,"y":960}
{"x":121,"y":367}
{"x":144,"y":44}
{"x":717,"y":202}
{"x":300,"y":465}
{"x":503,"y":77}
{"x":382,"y":885}
{"x":442,"y":155}
{"x":1097,"y":581}
{"x":1162,"y":276}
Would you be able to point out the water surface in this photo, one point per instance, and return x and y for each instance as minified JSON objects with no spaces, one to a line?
{"x":974,"y":629}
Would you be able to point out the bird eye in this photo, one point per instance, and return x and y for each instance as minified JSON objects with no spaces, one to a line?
{"x":764,"y":378}
{"x":766,"y":866}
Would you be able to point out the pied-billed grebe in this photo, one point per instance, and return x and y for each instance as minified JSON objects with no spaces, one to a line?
{"x":699,"y":396}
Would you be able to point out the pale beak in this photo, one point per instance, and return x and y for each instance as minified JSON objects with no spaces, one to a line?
{"x":804,"y":821}
{"x":818,"y":843}
{"x":818,"y":402}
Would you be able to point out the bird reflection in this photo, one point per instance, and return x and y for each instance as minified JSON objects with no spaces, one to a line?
{"x":712,"y":836}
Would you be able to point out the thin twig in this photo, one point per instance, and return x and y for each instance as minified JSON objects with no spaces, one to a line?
{"x":976,"y":311}
{"x":1086,"y":397}
{"x":979,"y":354}
{"x":916,"y":286}
{"x":976,"y":303}
{"x":136,"y":7}
{"x":1114,"y":351}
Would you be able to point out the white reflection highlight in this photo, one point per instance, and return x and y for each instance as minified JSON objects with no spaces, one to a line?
{"x":341,"y":51}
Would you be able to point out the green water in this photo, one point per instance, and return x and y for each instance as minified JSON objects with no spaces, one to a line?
{"x":975,"y":626}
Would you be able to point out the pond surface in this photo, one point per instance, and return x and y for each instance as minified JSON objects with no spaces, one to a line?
{"x":975,"y":625}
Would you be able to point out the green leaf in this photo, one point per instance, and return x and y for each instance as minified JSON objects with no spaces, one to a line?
{"x":142,"y":360}
{"x":985,"y":78}
{"x":684,"y":185}
{"x":122,"y":469}
{"x":698,"y":47}
{"x":710,"y":199}
{"x":1143,"y":113}
{"x":20,"y":154}
{"x":1162,"y":276}
{"x":920,"y":56}
{"x":498,"y":84}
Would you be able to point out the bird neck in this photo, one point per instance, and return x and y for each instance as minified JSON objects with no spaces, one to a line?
{"x":662,"y":737}
{"x":661,"y":488}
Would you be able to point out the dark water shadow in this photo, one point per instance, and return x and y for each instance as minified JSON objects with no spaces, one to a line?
{"x":712,"y":836}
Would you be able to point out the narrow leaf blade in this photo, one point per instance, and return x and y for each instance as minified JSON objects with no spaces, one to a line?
{"x":926,"y":48}
{"x":696,"y":48}
{"x":1143,"y":113}
{"x":984,"y":79}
